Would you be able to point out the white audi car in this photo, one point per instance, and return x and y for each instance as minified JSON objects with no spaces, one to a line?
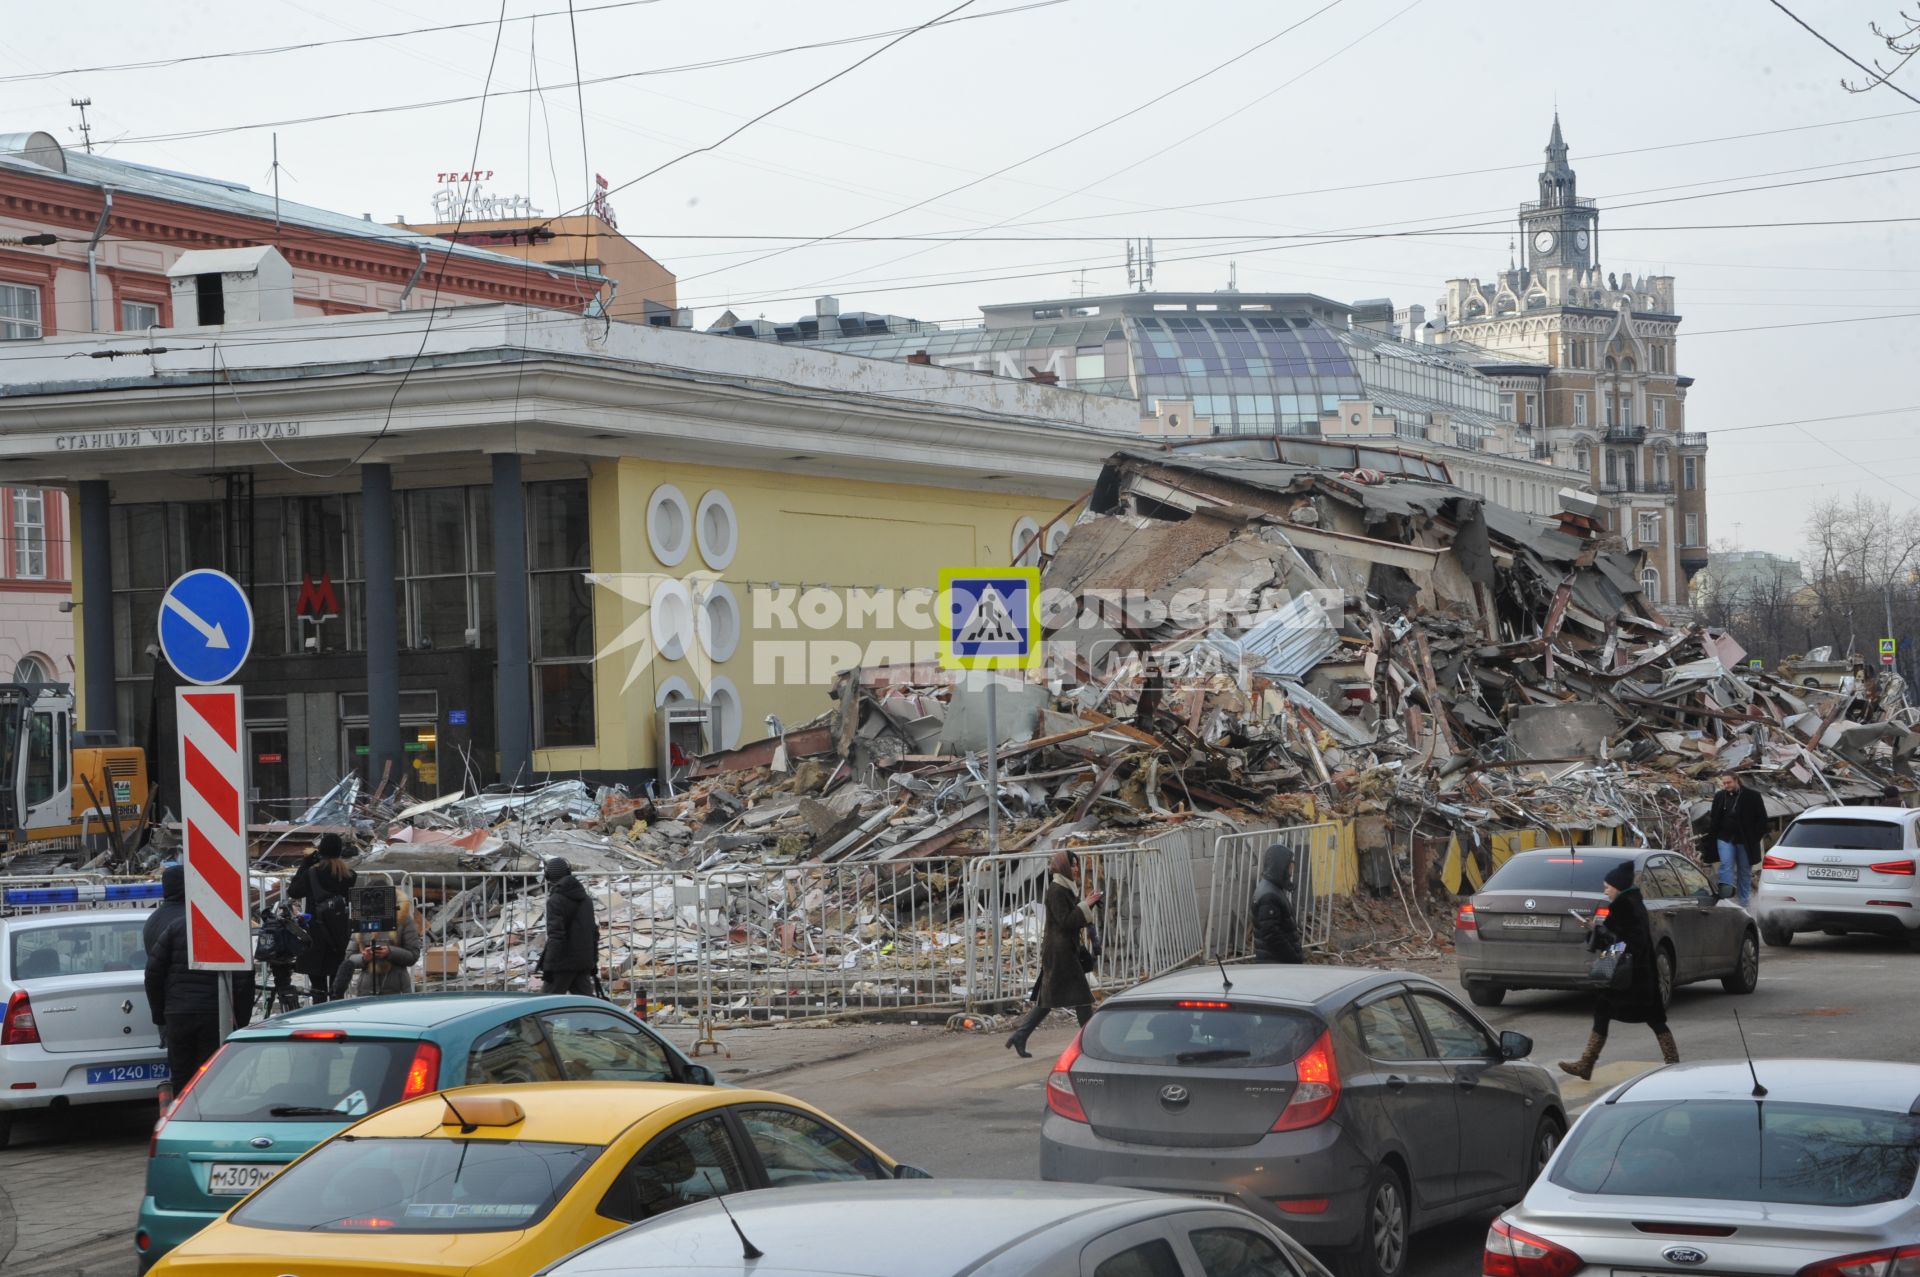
{"x":75,"y":1029}
{"x":1840,"y":870}
{"x":1782,"y":1168}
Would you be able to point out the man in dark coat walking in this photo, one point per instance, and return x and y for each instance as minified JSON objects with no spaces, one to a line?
{"x":1735,"y":825}
{"x":185,"y":1003}
{"x":572,"y":952}
{"x":1063,"y":975}
{"x":1276,"y":937}
{"x":1640,"y":1002}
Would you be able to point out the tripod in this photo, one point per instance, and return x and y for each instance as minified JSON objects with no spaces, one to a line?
{"x":282,"y":994}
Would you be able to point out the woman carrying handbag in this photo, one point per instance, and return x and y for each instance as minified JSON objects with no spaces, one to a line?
{"x":1635,"y":999}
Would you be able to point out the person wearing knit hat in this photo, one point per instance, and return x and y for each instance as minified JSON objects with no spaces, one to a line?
{"x":571,"y":955}
{"x":1640,"y":1002}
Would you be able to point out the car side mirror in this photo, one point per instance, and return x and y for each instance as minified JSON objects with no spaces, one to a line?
{"x":1723,"y":890}
{"x":701,"y":1075}
{"x":904,"y":1171}
{"x":1515,"y":1046}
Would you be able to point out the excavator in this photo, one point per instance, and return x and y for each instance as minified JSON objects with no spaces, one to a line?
{"x":59,"y":786}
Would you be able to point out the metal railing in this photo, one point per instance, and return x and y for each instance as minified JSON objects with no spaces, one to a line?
{"x":1235,"y":876}
{"x":68,"y":892}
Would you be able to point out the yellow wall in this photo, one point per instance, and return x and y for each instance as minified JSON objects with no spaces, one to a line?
{"x":793,"y":530}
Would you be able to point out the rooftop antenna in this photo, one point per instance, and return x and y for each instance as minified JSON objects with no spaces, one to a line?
{"x":1228,"y":984}
{"x":86,"y":130}
{"x":1233,"y":277}
{"x":747,"y":1249}
{"x":276,"y":187}
{"x":1759,"y":1091}
{"x":1140,"y":265}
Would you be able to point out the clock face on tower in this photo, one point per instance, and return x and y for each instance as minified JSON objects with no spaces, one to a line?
{"x":1543,"y":242}
{"x":1580,"y":241}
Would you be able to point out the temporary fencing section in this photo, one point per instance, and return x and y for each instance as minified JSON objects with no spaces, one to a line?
{"x":1233,"y":874}
{"x":67,"y":892}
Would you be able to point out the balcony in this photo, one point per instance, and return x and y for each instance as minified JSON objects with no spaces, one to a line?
{"x":1626,"y":434}
{"x":1692,"y":439}
{"x":1638,"y":487}
{"x":1693,"y":557}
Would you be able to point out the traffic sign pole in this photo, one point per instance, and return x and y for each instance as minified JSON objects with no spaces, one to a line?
{"x":212,"y":779}
{"x":993,"y":770}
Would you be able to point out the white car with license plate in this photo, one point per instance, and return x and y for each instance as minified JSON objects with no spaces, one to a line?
{"x":75,"y":1029}
{"x":1782,"y":1168}
{"x":1840,"y":870}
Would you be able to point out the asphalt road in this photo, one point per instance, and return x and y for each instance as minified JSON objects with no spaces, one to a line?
{"x":960,"y":1105}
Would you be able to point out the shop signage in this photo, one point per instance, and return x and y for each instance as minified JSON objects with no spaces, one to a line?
{"x":462,"y":197}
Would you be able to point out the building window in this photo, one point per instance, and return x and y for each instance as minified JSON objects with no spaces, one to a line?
{"x":1606,"y":401}
{"x":562,"y":601}
{"x":19,"y":312}
{"x":1611,"y":365}
{"x":1090,"y":363}
{"x":1659,"y":414}
{"x":1659,"y":358}
{"x":1533,"y":410}
{"x":1649,"y":527}
{"x":1650,"y":582}
{"x":1689,"y":473}
{"x":1692,"y":530}
{"x":136,"y":317}
{"x":1579,"y":409}
{"x":1626,"y":410}
{"x":1506,"y":407}
{"x":29,"y":533}
{"x":1660,"y":473}
{"x":1582,"y":462}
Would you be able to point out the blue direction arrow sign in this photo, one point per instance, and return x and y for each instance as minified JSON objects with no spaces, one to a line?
{"x":206,"y":626}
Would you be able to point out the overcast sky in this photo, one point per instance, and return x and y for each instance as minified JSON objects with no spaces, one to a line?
{"x":1375,"y":114}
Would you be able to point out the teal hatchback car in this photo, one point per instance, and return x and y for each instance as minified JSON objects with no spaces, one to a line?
{"x":281,"y":1086}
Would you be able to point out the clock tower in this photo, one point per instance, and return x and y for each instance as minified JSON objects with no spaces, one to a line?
{"x":1560,"y":227}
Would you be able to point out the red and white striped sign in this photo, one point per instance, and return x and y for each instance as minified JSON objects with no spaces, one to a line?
{"x":212,"y":778}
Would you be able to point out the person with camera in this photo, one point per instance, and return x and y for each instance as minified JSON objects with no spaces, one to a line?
{"x":571,"y":956}
{"x":185,"y":1003}
{"x":1065,"y":958}
{"x":382,"y":959}
{"x":322,"y":882}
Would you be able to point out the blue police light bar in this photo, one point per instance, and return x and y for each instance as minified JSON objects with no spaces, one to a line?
{"x":110,"y":893}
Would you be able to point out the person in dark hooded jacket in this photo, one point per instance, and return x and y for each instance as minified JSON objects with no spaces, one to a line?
{"x":1639,"y":1003}
{"x":185,"y":1003}
{"x":1276,"y":938}
{"x":572,"y":952}
{"x":322,"y":882}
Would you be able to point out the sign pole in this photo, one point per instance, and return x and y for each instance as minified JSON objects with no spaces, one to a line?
{"x":226,"y":1005}
{"x":993,"y":767}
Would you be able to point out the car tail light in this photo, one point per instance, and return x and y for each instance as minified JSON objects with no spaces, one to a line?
{"x":18,"y":1028}
{"x":1317,"y":1092}
{"x":1684,"y":1230}
{"x":1893,"y":904}
{"x":173,"y":1106}
{"x":1600,"y":914}
{"x":1513,"y":1252}
{"x":423,"y":1075}
{"x":143,"y":1241}
{"x":1464,"y":919}
{"x":1894,"y":867}
{"x":318,"y":1035}
{"x":1199,"y":1004}
{"x":1903,"y":1261}
{"x":1300,"y":1205}
{"x":1771,"y":861}
{"x":1061,"y":1097}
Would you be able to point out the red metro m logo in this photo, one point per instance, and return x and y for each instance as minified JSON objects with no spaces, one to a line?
{"x":317,"y":601}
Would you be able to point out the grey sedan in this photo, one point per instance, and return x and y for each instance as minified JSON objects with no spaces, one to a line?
{"x":947,"y":1228}
{"x":1773,"y":1169}
{"x":1523,"y":929}
{"x":1351,"y":1107}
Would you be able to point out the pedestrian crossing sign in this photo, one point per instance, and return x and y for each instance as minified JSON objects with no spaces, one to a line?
{"x":989,"y":618}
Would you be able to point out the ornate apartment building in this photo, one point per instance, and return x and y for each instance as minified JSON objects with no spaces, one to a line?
{"x":1596,"y":375}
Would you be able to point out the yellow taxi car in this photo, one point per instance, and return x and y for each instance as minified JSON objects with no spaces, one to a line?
{"x":497,"y":1180}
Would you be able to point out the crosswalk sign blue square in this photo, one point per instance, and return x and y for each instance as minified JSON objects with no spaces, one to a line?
{"x":989,"y":618}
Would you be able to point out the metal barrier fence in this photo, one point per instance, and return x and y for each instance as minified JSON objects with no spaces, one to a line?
{"x":65,"y":892}
{"x":1235,"y":875}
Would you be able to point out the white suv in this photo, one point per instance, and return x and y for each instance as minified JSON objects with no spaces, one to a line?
{"x":1842,"y":869}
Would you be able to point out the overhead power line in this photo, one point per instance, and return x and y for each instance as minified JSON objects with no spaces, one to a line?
{"x":1878,"y":77}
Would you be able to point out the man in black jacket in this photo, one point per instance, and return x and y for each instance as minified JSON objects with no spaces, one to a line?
{"x":185,"y":1003}
{"x":572,"y":952}
{"x":1735,"y":825}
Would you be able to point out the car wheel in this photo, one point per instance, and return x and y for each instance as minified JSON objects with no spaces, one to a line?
{"x":1746,"y":975}
{"x":1776,"y":936}
{"x":1663,"y":975}
{"x":6,"y":1129}
{"x":1913,"y":940}
{"x":1486,"y":995}
{"x":1546,"y":1139}
{"x":1385,"y":1225}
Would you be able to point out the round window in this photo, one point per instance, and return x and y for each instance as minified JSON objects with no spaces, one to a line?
{"x":717,"y":530}
{"x":669,"y":524}
{"x":671,"y":619}
{"x":1056,"y":536}
{"x":671,"y":690}
{"x":718,"y":620}
{"x":726,"y":709}
{"x":1026,"y":543}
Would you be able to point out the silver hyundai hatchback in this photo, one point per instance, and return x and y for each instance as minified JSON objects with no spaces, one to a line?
{"x":1352,"y":1107}
{"x":1781,"y":1167}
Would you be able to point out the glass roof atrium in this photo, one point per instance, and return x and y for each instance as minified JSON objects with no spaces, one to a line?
{"x":1252,"y":363}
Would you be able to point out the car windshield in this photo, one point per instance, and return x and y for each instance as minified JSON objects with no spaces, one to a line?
{"x":77,"y":948}
{"x":1743,"y":1150}
{"x":297,"y":1079}
{"x":1555,"y":871}
{"x":1845,"y":835}
{"x":1199,"y":1031}
{"x":418,"y":1185}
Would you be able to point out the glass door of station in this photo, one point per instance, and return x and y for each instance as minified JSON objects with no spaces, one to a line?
{"x":419,"y":741}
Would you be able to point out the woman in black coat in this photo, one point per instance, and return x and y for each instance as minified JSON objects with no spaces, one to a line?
{"x":321,"y":883}
{"x":1276,"y":938}
{"x":1063,"y":980}
{"x":1639,"y":1002}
